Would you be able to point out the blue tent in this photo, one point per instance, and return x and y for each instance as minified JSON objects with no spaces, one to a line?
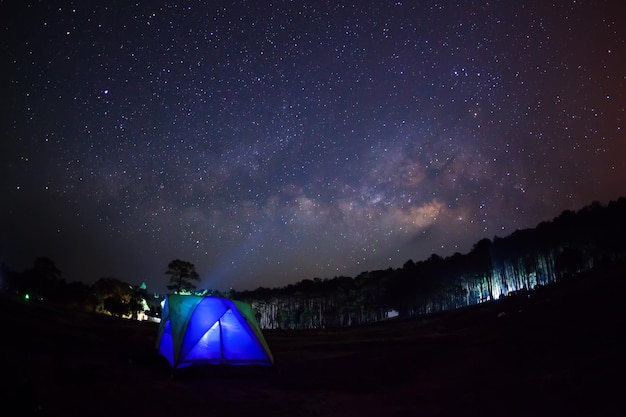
{"x":210,"y":330}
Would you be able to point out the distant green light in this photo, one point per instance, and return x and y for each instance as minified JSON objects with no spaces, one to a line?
{"x":26,"y":297}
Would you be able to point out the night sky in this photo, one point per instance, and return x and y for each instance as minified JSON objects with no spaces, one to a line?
{"x":270,"y":142}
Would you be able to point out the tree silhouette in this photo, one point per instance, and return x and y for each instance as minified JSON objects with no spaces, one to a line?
{"x":43,"y":278}
{"x":181,"y":273}
{"x":113,"y":295}
{"x":481,"y":263}
{"x":116,"y":306}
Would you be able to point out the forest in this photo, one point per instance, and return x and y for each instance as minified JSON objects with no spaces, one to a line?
{"x":512,"y":266}
{"x":575,"y":242}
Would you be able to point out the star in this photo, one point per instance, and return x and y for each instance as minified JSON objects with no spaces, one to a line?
{"x":268,"y":144}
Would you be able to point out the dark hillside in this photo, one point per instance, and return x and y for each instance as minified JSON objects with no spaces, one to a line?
{"x":559,"y":352}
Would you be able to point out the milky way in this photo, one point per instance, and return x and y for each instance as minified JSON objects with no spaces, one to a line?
{"x":269,"y":142}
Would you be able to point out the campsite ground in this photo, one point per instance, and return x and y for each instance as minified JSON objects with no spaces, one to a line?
{"x":560,"y":352}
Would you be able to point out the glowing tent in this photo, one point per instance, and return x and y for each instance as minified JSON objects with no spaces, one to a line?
{"x":210,"y":330}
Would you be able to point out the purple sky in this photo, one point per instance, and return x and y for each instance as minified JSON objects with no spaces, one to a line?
{"x":269,"y":142}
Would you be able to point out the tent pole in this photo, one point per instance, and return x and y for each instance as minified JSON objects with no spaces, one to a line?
{"x":221,"y":340}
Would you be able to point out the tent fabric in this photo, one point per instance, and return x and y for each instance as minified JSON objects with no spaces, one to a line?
{"x":198,"y":330}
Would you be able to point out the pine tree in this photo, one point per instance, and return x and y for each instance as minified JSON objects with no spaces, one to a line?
{"x":181,"y":273}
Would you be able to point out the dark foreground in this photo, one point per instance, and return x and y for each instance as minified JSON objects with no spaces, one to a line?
{"x":561,"y":353}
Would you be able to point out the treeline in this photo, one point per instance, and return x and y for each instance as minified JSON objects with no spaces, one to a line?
{"x":43,"y":282}
{"x":572,"y":243}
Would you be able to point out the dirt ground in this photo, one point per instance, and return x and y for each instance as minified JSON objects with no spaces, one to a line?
{"x":559,"y":352}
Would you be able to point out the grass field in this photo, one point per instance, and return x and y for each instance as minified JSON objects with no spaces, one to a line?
{"x":560,"y":352}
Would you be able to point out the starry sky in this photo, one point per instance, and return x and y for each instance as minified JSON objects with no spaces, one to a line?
{"x":273,"y":141}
